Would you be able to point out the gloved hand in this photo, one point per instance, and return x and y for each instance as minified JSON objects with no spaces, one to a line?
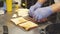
{"x":37,"y":5}
{"x":33,"y":8}
{"x":42,"y":13}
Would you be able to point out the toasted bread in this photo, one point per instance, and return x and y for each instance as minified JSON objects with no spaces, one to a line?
{"x":18,"y":20}
{"x":28,"y":25}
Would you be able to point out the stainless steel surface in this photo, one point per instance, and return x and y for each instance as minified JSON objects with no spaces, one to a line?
{"x":1,"y":29}
{"x":13,"y":29}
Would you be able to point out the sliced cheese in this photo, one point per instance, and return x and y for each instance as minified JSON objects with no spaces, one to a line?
{"x":28,"y":25}
{"x":18,"y":20}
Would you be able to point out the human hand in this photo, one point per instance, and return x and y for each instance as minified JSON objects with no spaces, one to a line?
{"x":41,"y":20}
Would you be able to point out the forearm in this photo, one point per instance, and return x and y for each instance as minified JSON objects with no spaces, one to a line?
{"x":42,"y":1}
{"x":55,"y":8}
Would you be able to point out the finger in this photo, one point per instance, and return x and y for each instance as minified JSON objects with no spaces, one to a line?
{"x":43,"y":20}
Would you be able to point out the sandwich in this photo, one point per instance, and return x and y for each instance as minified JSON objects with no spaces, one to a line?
{"x":28,"y":25}
{"x":18,"y":20}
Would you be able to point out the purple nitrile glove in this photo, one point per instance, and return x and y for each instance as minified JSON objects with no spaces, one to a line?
{"x":33,"y":8}
{"x":41,"y":13}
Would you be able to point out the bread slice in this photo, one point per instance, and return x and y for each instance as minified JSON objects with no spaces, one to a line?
{"x":18,"y":20}
{"x":22,"y":12}
{"x":28,"y":25}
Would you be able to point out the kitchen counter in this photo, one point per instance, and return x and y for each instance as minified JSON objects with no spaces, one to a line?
{"x":13,"y":29}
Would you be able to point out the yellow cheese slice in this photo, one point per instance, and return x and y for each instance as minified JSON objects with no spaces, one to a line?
{"x":18,"y":20}
{"x":28,"y":25}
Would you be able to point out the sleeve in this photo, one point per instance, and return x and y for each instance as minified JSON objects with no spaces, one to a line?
{"x":41,"y":13}
{"x":33,"y":8}
{"x":4,"y":6}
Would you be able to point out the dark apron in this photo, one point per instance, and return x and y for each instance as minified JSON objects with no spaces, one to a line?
{"x":53,"y":29}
